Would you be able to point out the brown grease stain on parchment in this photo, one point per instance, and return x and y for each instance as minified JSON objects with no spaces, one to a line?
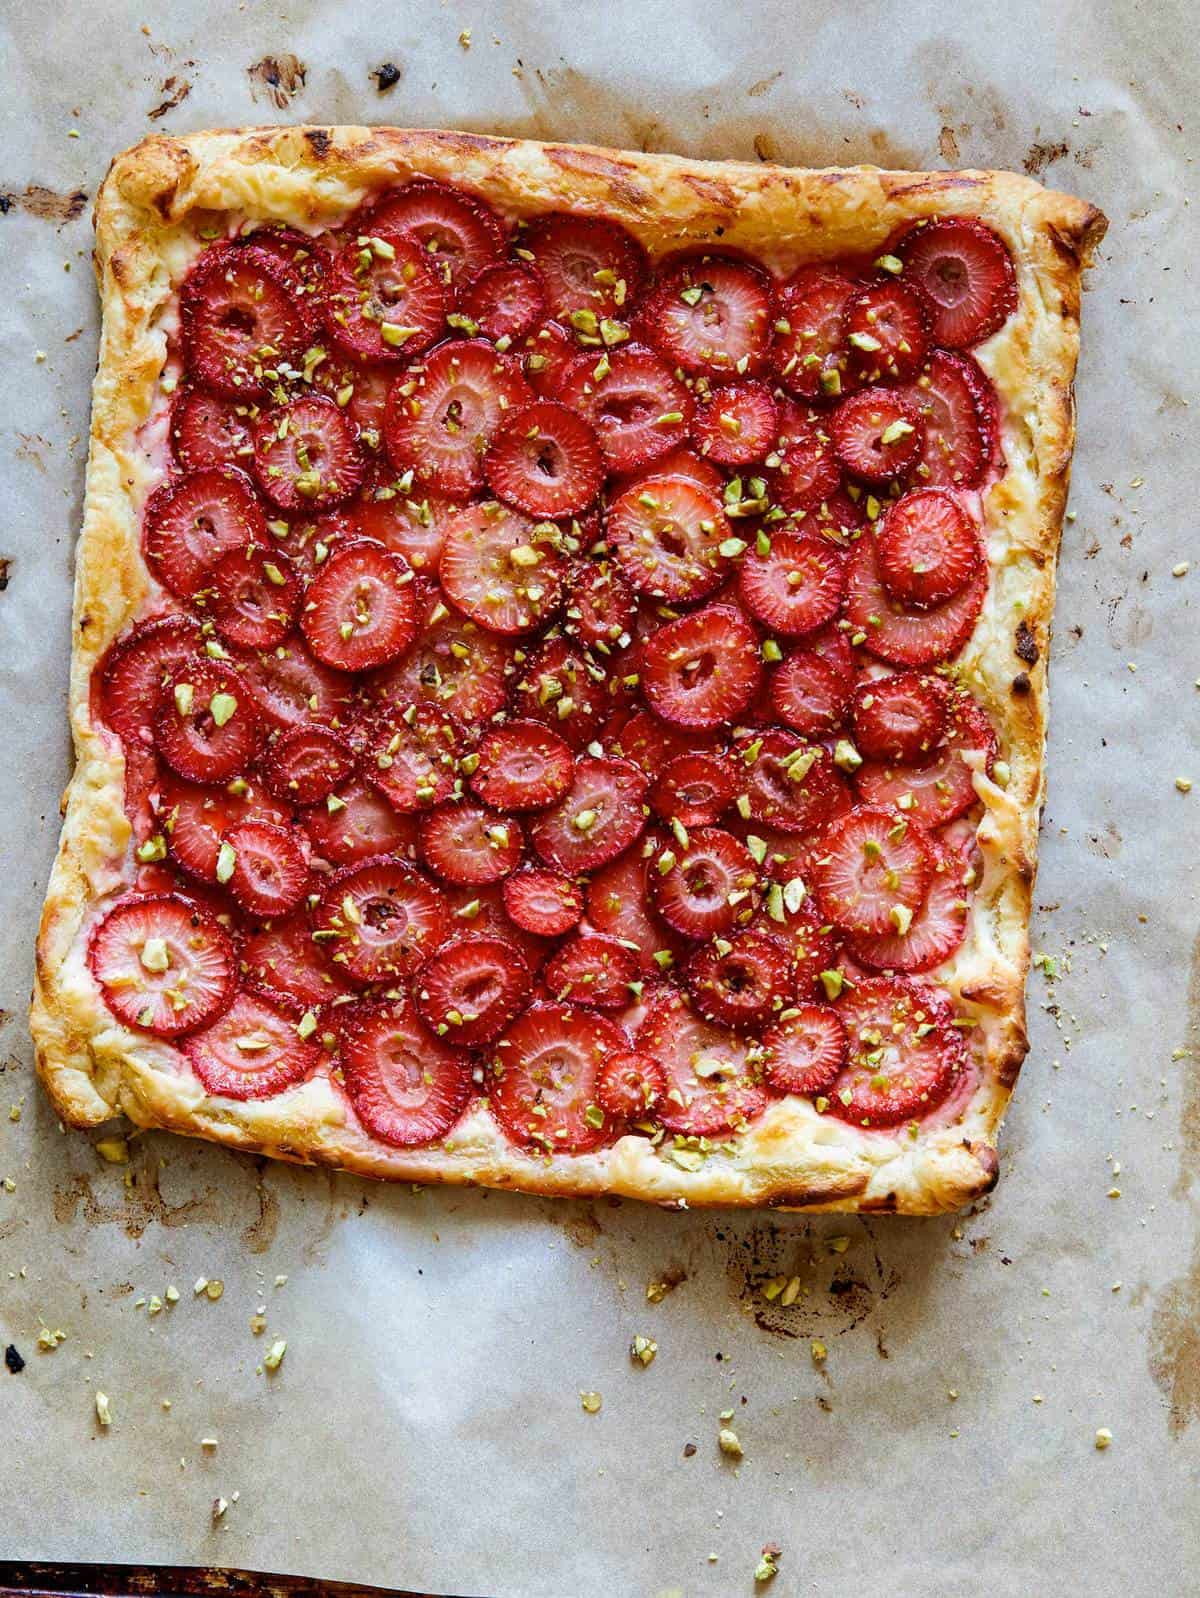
{"x":837,"y":1291}
{"x":278,"y":78}
{"x":261,"y":1232}
{"x":45,"y":204}
{"x":142,"y":1204}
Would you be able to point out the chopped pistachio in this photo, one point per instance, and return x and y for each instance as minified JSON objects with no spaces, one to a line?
{"x":214,"y":1289}
{"x":103,"y":1409}
{"x":1103,"y":1438}
{"x":226,"y":862}
{"x":590,"y":1402}
{"x":890,"y":263}
{"x":819,"y":1352}
{"x":643,"y":1350}
{"x":729,"y":1443}
{"x":155,"y":955}
{"x":768,"y":1564}
{"x":113,"y":1149}
{"x":771,"y":650}
{"x":901,"y":918}
{"x":395,"y":335}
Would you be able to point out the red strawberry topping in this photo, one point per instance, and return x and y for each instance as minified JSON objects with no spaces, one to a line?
{"x":899,"y":718}
{"x":789,"y":783}
{"x":544,"y":459}
{"x":455,"y":664}
{"x":414,"y":527}
{"x":806,"y":1053}
{"x":191,"y":521}
{"x":957,"y":404}
{"x":809,"y":351}
{"x":941,"y":787}
{"x":522,"y":766}
{"x":872,"y":871}
{"x":888,"y":330}
{"x":542,"y":901}
{"x":928,"y":548}
{"x":505,"y":301}
{"x":282,"y":961}
{"x":207,"y":430}
{"x":639,"y":409}
{"x":384,"y":300}
{"x":252,"y":595}
{"x":704,"y":888}
{"x":255,"y":1050}
{"x":207,"y":728}
{"x":710,"y":1083}
{"x":566,"y":688}
{"x":545,"y":357}
{"x":356,"y":822}
{"x":796,"y":586}
{"x":630,"y":1086}
{"x":809,"y":694}
{"x":240,"y":320}
{"x":812,"y":941}
{"x":702,"y":670}
{"x":668,"y":534}
{"x":379,"y":920}
{"x":936,"y":930}
{"x":407,"y":1089}
{"x":195,"y":821}
{"x":592,"y":969}
{"x":136,"y":670}
{"x":360,"y":610}
{"x":964,"y":274}
{"x":501,"y":569}
{"x":305,"y":262}
{"x":163,"y":963}
{"x":470,"y":990}
{"x":809,"y":472}
{"x":467,"y":844}
{"x":877,"y":434}
{"x":711,"y":314}
{"x":906,"y":637}
{"x":590,"y":268}
{"x":458,"y":233}
{"x":740,"y":983}
{"x":597,"y":819}
{"x":904,"y":1054}
{"x":412,"y":757}
{"x":738,"y":425}
{"x":543,"y":1085}
{"x":307,"y":764}
{"x":603,"y":608}
{"x":693,"y":789}
{"x":270,"y":868}
{"x":307,"y":456}
{"x":289,"y":687}
{"x":618,"y":903}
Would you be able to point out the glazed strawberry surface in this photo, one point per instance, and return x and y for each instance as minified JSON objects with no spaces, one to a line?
{"x":546,"y":703}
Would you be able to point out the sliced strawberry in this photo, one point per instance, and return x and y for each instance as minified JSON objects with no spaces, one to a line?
{"x":631,"y":1086}
{"x":282,"y":960}
{"x":542,"y":901}
{"x":191,"y":521}
{"x":831,"y":644}
{"x":679,"y":463}
{"x":414,"y":527}
{"x":617,"y":903}
{"x":138,"y":667}
{"x":412,"y":757}
{"x":567,"y":689}
{"x":270,"y":868}
{"x":906,"y":637}
{"x":470,"y":990}
{"x":442,"y":416}
{"x":693,"y":789}
{"x":585,"y":263}
{"x":360,"y":610}
{"x":407,"y":1089}
{"x":379,"y":919}
{"x":637,"y":406}
{"x":240,"y":320}
{"x":940,"y":789}
{"x":357,"y":822}
{"x":710,"y":1082}
{"x":738,"y":425}
{"x":808,"y":471}
{"x":307,"y":456}
{"x":384,"y":300}
{"x":481,"y":912}
{"x":702,"y":670}
{"x":305,"y":261}
{"x":667,"y":535}
{"x":808,"y":694}
{"x":603,"y":607}
{"x":809,"y":350}
{"x":901,"y":718}
{"x":958,"y":407}
{"x":905,"y":1054}
{"x":545,"y":460}
{"x":290,"y":688}
{"x":596,"y":820}
{"x":812,"y":941}
{"x":208,"y":430}
{"x":545,"y":357}
{"x":522,"y":766}
{"x":454,"y":664}
{"x":505,"y":301}
{"x":806,"y":1053}
{"x":742,"y":983}
{"x":928,"y":548}
{"x":704,"y":889}
{"x":501,"y":569}
{"x":207,"y":728}
{"x":888,"y":330}
{"x":789,"y":783}
{"x":872,"y":870}
{"x":195,"y":821}
{"x":796,"y":586}
{"x":877,"y":434}
{"x":592,"y":969}
{"x":253,"y":1051}
{"x":936,"y":930}
{"x":307,"y":764}
{"x":459,"y":234}
{"x":543,"y":1085}
{"x":470,"y":845}
{"x":252,"y":595}
{"x":837,"y":518}
{"x":163,"y":963}
{"x":647,"y":741}
{"x":964,"y":274}
{"x":711,"y":314}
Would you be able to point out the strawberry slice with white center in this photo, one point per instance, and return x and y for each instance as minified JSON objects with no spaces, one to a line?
{"x":738,"y":425}
{"x":742,"y":983}
{"x":307,"y":456}
{"x":877,"y":434}
{"x":668,"y":535}
{"x":809,"y":471}
{"x":905,"y":1054}
{"x":711,"y":314}
{"x":808,"y":694}
{"x":543,"y":1084}
{"x":693,"y":789}
{"x":872,"y":870}
{"x":639,"y":409}
{"x":442,"y":415}
{"x":138,"y":667}
{"x":618,"y":903}
{"x":796,"y":586}
{"x":679,"y":463}
{"x":379,"y":919}
{"x":355,"y":822}
{"x":412,"y":524}
{"x":501,"y":569}
{"x":545,"y":460}
{"x":703,"y":888}
{"x":901,"y":718}
{"x":470,"y":990}
{"x":603,"y":608}
{"x":597,"y":819}
{"x":710,"y":1083}
{"x":240,"y":321}
{"x":207,"y":430}
{"x":254,"y":1051}
{"x":471,"y":845}
{"x":929,"y":549}
{"x":702,"y":670}
{"x":407,"y":1089}
{"x":207,"y":728}
{"x":586,"y":264}
{"x":592,"y":969}
{"x":631,"y":1086}
{"x":964,"y":273}
{"x":191,"y":521}
{"x":270,"y":873}
{"x":163,"y":963}
{"x":282,"y":961}
{"x":290,"y":688}
{"x":809,"y":349}
{"x":935,"y":931}
{"x":545,"y":357}
{"x":252,"y":595}
{"x":906,"y":637}
{"x":360,"y":610}
{"x":307,"y":764}
{"x":455,"y":664}
{"x":522,"y":766}
{"x":789,"y":783}
{"x":195,"y":820}
{"x":941,"y":788}
{"x":806,"y":1053}
{"x":542,"y":901}
{"x":565,"y":687}
{"x":888,"y":330}
{"x":459,"y":234}
{"x":505,"y":301}
{"x":958,"y":406}
{"x":384,"y":300}
{"x":412,"y":757}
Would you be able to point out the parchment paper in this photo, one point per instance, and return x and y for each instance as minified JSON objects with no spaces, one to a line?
{"x":425,"y":1427}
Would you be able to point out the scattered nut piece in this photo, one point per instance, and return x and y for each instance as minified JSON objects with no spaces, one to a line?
{"x":1103,"y":1438}
{"x":214,"y":1289}
{"x":154,"y":1306}
{"x":103,"y":1410}
{"x":172,"y":1294}
{"x":729,"y":1443}
{"x":113,"y":1149}
{"x":208,"y":1442}
{"x":591,"y":1402}
{"x":819,"y":1351}
{"x":258,"y":1324}
{"x":274,"y":1355}
{"x":768,"y":1564}
{"x":220,"y":1505}
{"x":643,"y":1349}
{"x":49,"y":1340}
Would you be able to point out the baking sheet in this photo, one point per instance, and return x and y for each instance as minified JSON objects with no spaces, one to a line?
{"x":425,"y":1427}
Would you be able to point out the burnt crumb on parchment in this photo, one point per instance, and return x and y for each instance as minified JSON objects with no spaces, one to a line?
{"x":5,"y":564}
{"x":278,"y":78}
{"x":46,"y":204}
{"x":174,"y":91}
{"x":1041,"y":156}
{"x":13,"y":1360}
{"x":387,"y":75}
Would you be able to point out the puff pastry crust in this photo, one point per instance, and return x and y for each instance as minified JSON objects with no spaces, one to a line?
{"x":146,"y":225}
